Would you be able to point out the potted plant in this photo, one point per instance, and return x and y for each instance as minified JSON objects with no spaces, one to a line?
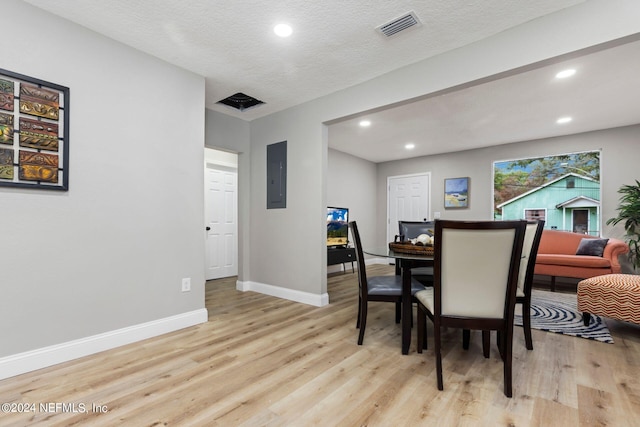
{"x":629,"y":213}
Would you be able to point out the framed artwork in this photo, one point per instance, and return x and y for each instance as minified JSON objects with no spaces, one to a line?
{"x":456,"y":193}
{"x":34,"y":133}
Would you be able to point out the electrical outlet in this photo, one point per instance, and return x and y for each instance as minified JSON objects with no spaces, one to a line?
{"x":186,"y":284}
{"x":436,"y":215}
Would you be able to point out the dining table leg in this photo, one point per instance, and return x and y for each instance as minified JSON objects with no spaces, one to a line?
{"x":407,"y":309}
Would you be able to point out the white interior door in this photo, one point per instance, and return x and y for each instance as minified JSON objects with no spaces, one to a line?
{"x":408,"y":199}
{"x":221,"y":202}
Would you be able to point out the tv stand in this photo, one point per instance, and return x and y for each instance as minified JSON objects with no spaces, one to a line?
{"x":341,"y":255}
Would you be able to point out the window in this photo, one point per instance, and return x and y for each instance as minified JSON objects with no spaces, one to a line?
{"x":535,"y":214}
{"x":549,"y":188}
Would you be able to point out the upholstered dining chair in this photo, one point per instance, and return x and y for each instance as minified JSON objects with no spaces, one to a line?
{"x":476,"y":265}
{"x":410,"y":230}
{"x":530,"y":246}
{"x":377,"y":288}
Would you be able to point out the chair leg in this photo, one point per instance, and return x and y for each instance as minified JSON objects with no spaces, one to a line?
{"x":359,"y":312}
{"x":398,"y":311}
{"x":508,"y":348}
{"x":466,"y":337}
{"x":436,"y":336}
{"x":422,"y":326}
{"x":486,"y":343}
{"x":425,"y":334}
{"x":501,"y":343}
{"x":363,"y":322}
{"x":526,"y":325}
{"x":422,"y":329}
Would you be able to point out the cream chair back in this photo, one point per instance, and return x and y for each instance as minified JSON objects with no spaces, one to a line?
{"x":475,"y":271}
{"x":526,"y":252}
{"x":529,"y":251}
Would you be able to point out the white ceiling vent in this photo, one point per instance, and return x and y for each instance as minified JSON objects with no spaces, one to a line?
{"x":391,"y":28}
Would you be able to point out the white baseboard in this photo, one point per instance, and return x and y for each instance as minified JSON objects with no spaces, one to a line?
{"x":48,"y":356}
{"x":379,"y":260}
{"x":285,"y":293}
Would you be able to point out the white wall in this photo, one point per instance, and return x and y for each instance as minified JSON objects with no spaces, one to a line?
{"x":287,"y":246}
{"x":620,"y":149}
{"x":226,"y":133}
{"x":351,"y":183}
{"x":232,"y":134}
{"x":110,"y":253}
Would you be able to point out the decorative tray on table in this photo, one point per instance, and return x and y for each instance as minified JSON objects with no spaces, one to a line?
{"x":410,"y":248}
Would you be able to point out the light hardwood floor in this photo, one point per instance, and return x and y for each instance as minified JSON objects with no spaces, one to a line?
{"x":263,"y":361}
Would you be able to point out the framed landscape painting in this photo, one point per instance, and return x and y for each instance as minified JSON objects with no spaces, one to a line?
{"x":456,"y":193}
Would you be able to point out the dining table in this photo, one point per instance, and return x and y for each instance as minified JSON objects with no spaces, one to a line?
{"x":407,"y":261}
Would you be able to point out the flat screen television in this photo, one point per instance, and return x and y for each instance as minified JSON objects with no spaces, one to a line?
{"x":337,"y":227}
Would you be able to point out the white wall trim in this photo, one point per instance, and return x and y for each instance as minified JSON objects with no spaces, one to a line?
{"x":378,"y":260}
{"x":285,"y":293}
{"x":47,"y":356}
{"x":300,"y":296}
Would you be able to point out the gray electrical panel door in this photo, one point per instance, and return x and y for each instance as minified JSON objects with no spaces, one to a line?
{"x":277,"y":175}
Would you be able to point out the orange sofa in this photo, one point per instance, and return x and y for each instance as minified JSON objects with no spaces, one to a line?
{"x":557,"y":257}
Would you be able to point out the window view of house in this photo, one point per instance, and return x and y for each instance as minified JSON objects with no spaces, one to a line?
{"x":563,"y":190}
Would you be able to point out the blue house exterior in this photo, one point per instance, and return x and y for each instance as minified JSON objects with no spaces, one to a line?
{"x":570,"y":203}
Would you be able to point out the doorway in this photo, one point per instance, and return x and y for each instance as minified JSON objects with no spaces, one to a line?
{"x":581,"y":221}
{"x":221,"y":214}
{"x":408,"y":199}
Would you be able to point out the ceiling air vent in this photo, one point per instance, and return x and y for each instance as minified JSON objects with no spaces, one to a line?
{"x":240,"y":101}
{"x":407,"y":20}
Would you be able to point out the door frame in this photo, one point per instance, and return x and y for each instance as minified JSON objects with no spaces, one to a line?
{"x":222,"y":161}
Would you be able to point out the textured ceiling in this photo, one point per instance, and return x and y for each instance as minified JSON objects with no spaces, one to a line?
{"x":334,"y":44}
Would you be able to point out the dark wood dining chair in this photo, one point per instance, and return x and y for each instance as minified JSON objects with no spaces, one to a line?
{"x":476,"y":265}
{"x":410,"y":230}
{"x":376,"y":288}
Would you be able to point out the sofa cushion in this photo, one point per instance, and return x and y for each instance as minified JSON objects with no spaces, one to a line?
{"x":559,"y":242}
{"x":592,"y":247}
{"x":573,"y":260}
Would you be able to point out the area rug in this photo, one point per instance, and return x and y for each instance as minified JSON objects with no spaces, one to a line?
{"x":558,"y":312}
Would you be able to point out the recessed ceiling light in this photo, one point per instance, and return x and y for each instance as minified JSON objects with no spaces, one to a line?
{"x":283,"y":30}
{"x":365,"y":123}
{"x":410,"y":146}
{"x":565,"y":73}
{"x":562,"y":120}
